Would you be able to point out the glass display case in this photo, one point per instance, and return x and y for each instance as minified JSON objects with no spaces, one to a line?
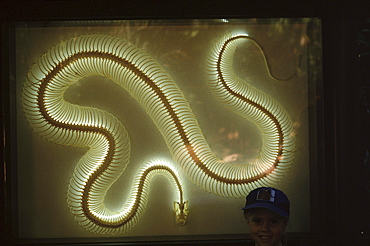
{"x":138,"y":130}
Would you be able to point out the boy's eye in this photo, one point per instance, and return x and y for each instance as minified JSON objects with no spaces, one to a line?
{"x":256,"y":220}
{"x":275,"y":221}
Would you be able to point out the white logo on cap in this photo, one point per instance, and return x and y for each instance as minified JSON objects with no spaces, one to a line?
{"x":266,"y":195}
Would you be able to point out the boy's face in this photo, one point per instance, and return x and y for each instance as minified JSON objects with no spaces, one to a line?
{"x":266,"y":227}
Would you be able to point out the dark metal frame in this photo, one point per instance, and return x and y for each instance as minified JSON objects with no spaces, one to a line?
{"x":340,"y":198}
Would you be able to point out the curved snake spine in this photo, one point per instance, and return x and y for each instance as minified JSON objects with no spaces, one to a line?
{"x":109,"y":145}
{"x":128,"y":66}
{"x":270,"y":117}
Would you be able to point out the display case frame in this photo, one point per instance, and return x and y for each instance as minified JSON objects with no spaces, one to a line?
{"x":318,"y":150}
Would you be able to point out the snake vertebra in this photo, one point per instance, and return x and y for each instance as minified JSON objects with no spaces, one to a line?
{"x":108,"y":155}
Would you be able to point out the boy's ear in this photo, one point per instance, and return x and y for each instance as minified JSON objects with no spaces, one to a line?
{"x":285,"y":225}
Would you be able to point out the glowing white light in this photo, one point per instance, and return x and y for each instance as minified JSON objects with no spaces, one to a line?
{"x":109,"y":146}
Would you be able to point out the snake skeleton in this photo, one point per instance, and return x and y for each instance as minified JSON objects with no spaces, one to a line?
{"x":109,"y":146}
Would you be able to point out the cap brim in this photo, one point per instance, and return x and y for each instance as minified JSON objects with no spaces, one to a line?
{"x":268,"y":206}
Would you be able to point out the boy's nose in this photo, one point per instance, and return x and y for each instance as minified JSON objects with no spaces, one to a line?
{"x":265,"y":226}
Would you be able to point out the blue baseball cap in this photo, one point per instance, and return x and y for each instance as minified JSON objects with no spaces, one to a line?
{"x":269,"y":198}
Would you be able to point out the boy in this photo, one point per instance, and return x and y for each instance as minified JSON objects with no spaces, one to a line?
{"x":267,"y":212}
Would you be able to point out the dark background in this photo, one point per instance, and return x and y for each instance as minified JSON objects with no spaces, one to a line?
{"x":341,"y":181}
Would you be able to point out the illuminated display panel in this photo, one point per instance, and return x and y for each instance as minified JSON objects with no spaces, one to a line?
{"x":219,"y":107}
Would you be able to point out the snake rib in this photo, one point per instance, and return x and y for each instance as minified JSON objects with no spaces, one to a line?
{"x":271,"y":118}
{"x":109,"y":147}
